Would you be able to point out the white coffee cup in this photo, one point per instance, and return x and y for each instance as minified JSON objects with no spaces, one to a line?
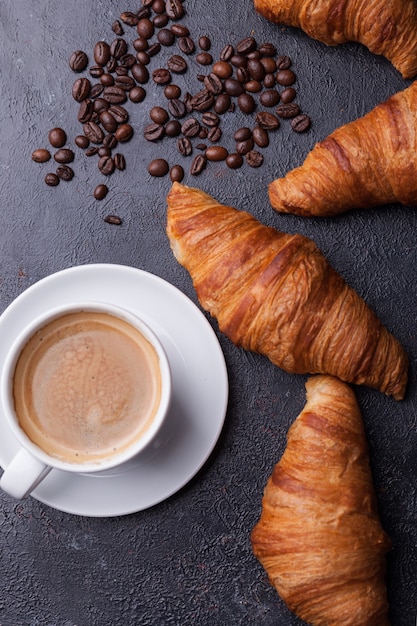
{"x":84,"y":388}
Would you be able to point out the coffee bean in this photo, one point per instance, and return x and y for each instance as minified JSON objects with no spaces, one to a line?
{"x":184,"y":146}
{"x":108,"y":122}
{"x":166,"y":37}
{"x":161,"y":76}
{"x":190,"y":127}
{"x":288,"y":95}
{"x":161,"y":20}
{"x":119,"y":113}
{"x":112,"y":65}
{"x":202,"y":101}
{"x":246,"y":103}
{"x":269,"y":98}
{"x":137,"y":94}
{"x":91,"y":151}
{"x":93,"y":132}
{"x":283,"y":62}
{"x":288,"y":111}
{"x":104,"y":151}
{"x":198,"y":165}
{"x":176,"y":173}
{"x":227,"y":52}
{"x":214,"y":134}
{"x":64,"y":155}
{"x":117,"y":28}
{"x":114,"y":95}
{"x":78,"y":61}
{"x":213,"y":83}
{"x":100,"y":192}
{"x":158,"y":115}
{"x":245,"y":146}
{"x":158,"y":167}
{"x":254,"y":158}
{"x":140,"y":44}
{"x":246,"y":45}
{"x":174,"y":9}
{"x":107,"y":80}
{"x":159,"y":6}
{"x":129,"y":18}
{"x":177,"y":64}
{"x":210,"y":119}
{"x":65,"y":172}
{"x":256,"y":69}
{"x":223,"y":69}
{"x":216,"y":153}
{"x":260,"y":137}
{"x":115,"y":220}
{"x":41,"y":155}
{"x":140,"y":73}
{"x":269,"y":81}
{"x":234,"y":160}
{"x":177,"y":108}
{"x":96,"y":91}
{"x":110,"y":141}
{"x":172,"y":91}
{"x":81,"y":89}
{"x":153,"y":132}
{"x":301,"y":123}
{"x":269,"y":65}
{"x":285,"y":77}
{"x":125,"y":82}
{"x":96,"y":71}
{"x":85,"y":111}
{"x":51,"y":179}
{"x":204,"y":58}
{"x":267,"y":49}
{"x":101,"y":53}
{"x":118,"y":48}
{"x":242,"y":134}
{"x":222,"y":103}
{"x":154,"y":49}
{"x":233,"y":87}
{"x":204,"y":43}
{"x":57,"y":137}
{"x":180,"y":30}
{"x":266,"y":120}
{"x":239,"y":60}
{"x":253,"y":86}
{"x":82,"y":142}
{"x":119,"y":161}
{"x":173,"y":128}
{"x":124,"y":133}
{"x":186,"y":45}
{"x":242,"y":74}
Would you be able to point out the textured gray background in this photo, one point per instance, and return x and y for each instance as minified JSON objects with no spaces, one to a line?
{"x":188,"y":560}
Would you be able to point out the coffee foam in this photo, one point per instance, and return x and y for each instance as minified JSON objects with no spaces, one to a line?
{"x":86,"y":386}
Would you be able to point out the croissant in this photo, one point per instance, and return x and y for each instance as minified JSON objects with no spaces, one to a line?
{"x":276,"y":294}
{"x":319,"y":536}
{"x":385,"y":28}
{"x":365,"y":163}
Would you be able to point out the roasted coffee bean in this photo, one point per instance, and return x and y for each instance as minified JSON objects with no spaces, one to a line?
{"x":129,"y":18}
{"x":260,"y":137}
{"x":65,"y":172}
{"x":41,"y":155}
{"x":93,"y":132}
{"x":104,"y":151}
{"x":288,"y":95}
{"x":177,"y":108}
{"x":161,"y":76}
{"x":269,"y":81}
{"x":246,"y":45}
{"x":201,"y":146}
{"x":126,"y":61}
{"x":176,"y":173}
{"x":246,"y":103}
{"x":222,"y":103}
{"x":180,"y":30}
{"x":114,"y":220}
{"x":159,"y":6}
{"x":301,"y":123}
{"x":288,"y":111}
{"x":191,"y":127}
{"x":177,"y":64}
{"x":283,"y":62}
{"x":143,"y":57}
{"x":112,"y":65}
{"x":145,"y":28}
{"x":173,"y":128}
{"x":184,"y":146}
{"x":242,"y":134}
{"x":51,"y":179}
{"x":245,"y":146}
{"x":233,"y":87}
{"x":188,"y":102}
{"x":227,"y":52}
{"x":140,"y":73}
{"x":159,"y":115}
{"x":216,"y":153}
{"x":124,"y":133}
{"x":82,"y":141}
{"x":140,"y":44}
{"x":91,"y":151}
{"x":269,"y":98}
{"x":160,"y":21}
{"x":234,"y":160}
{"x":223,"y":69}
{"x":256,"y":69}
{"x":213,"y":83}
{"x":198,"y":165}
{"x":158,"y":167}
{"x":154,"y":132}
{"x":119,"y":161}
{"x":254,"y":158}
{"x":106,"y":165}
{"x":267,"y":49}
{"x":137,"y":94}
{"x":107,"y":80}
{"x":253,"y":86}
{"x":108,"y":122}
{"x":166,"y":37}
{"x":266,"y":120}
{"x":239,"y":60}
{"x":242,"y":74}
{"x":101,"y":53}
{"x":78,"y":61}
{"x":100,"y":192}
{"x":214,"y":134}
{"x":119,"y":113}
{"x":96,"y":71}
{"x":174,"y":9}
{"x":204,"y":58}
{"x":204,"y":42}
{"x":114,"y":95}
{"x":186,"y":45}
{"x":117,"y":28}
{"x":172,"y":91}
{"x":64,"y":155}
{"x":269,"y":65}
{"x":110,"y":141}
{"x":154,"y":49}
{"x":210,"y":119}
{"x":202,"y":100}
{"x":285,"y":77}
{"x":118,"y":48}
{"x":96,"y":91}
{"x":57,"y":137}
{"x":125,"y":82}
{"x":85,"y":111}
{"x":81,"y":89}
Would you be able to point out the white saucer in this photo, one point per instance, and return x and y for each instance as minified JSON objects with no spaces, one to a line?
{"x":200,"y":386}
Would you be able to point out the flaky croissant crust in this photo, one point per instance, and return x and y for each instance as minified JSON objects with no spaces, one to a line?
{"x":385,"y":28}
{"x":369,"y":162}
{"x":276,"y":294}
{"x":319,"y":536}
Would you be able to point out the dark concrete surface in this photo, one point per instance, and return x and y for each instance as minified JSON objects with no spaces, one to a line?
{"x":188,"y":560}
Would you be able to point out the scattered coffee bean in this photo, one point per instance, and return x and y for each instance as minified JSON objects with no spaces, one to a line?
{"x":269,"y":98}
{"x":242,"y":134}
{"x":285,"y":77}
{"x":176,"y":173}
{"x":214,"y":134}
{"x":119,"y":162}
{"x":186,"y":45}
{"x":288,"y":111}
{"x":184,"y":146}
{"x":78,"y":61}
{"x":118,"y":48}
{"x":161,"y":76}
{"x":246,"y":45}
{"x":173,"y":128}
{"x":245,"y":146}
{"x":216,"y":153}
{"x":234,"y":160}
{"x":283,"y":62}
{"x":204,"y":58}
{"x":246,"y":103}
{"x":129,"y":18}
{"x":65,"y":172}
{"x":260,"y":137}
{"x":41,"y":155}
{"x":254,"y":158}
{"x":166,"y":37}
{"x":64,"y":155}
{"x":117,"y":28}
{"x":177,"y":108}
{"x":204,"y":42}
{"x":119,"y":113}
{"x":180,"y":30}
{"x":52,"y":179}
{"x":137,"y":94}
{"x":175,"y":9}
{"x":158,"y":167}
{"x":198,"y":164}
{"x":124,"y":133}
{"x":57,"y":137}
{"x":106,"y":165}
{"x":288,"y":95}
{"x":159,"y":115}
{"x":81,"y":89}
{"x":177,"y":64}
{"x":190,"y":127}
{"x":81,"y":141}
{"x":93,"y":132}
{"x":266,"y":120}
{"x":154,"y":132}
{"x":101,"y":191}
{"x":301,"y":123}
{"x":101,"y":53}
{"x":115,"y":220}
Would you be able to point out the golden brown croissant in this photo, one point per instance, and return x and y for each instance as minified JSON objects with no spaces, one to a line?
{"x":365,"y":163}
{"x":386,"y":28}
{"x":276,"y":294}
{"x":319,"y":536}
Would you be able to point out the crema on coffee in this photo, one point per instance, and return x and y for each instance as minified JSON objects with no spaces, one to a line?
{"x":86,"y":386}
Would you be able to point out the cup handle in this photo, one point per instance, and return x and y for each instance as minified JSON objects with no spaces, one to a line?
{"x":23,"y":474}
